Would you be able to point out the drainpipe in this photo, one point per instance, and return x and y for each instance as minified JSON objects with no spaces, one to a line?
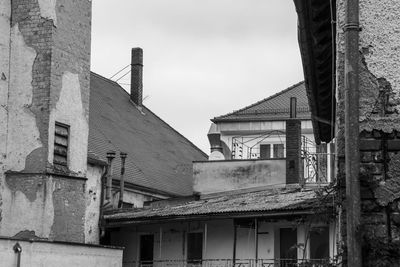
{"x":110,"y":157}
{"x":103,"y":188}
{"x":18,"y":249}
{"x":122,"y":179}
{"x":352,"y":151}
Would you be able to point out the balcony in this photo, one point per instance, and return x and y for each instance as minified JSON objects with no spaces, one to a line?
{"x":236,"y":263}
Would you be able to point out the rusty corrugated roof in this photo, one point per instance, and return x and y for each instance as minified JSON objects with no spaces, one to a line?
{"x":282,"y":199}
{"x":158,"y":156}
{"x":275,"y":107}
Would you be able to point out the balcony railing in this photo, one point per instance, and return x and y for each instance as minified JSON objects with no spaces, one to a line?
{"x":236,"y":263}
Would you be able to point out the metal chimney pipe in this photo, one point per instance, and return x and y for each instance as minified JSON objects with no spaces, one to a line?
{"x":293,"y":107}
{"x":123,"y":156}
{"x":137,"y":76}
{"x":110,"y":157}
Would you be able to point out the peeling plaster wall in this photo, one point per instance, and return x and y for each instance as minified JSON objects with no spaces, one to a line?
{"x":45,"y":59}
{"x":5,"y":13}
{"x":23,"y":133}
{"x":93,"y":194}
{"x":379,"y":83}
{"x":27,"y":206}
{"x":74,"y":116}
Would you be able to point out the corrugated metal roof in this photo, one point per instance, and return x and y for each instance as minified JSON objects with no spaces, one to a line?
{"x":275,"y":107}
{"x":158,"y":156}
{"x":267,"y":200}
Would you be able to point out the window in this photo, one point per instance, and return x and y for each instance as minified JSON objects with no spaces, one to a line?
{"x":61,"y":144}
{"x":319,"y":243}
{"x":195,"y":248}
{"x":265,"y":151}
{"x":146,"y":250}
{"x":288,"y":246}
{"x":279,"y":151}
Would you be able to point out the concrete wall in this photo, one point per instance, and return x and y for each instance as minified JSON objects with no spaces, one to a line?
{"x":58,"y":254}
{"x":379,"y":83}
{"x":44,"y":78}
{"x":219,"y":176}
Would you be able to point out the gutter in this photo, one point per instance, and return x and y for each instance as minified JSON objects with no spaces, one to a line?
{"x":352,"y":147}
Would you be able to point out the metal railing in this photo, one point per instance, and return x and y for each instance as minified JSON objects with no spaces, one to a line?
{"x":236,"y":263}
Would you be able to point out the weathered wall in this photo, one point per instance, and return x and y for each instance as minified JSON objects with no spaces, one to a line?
{"x":378,"y":115}
{"x":219,"y":176}
{"x":5,"y":13}
{"x":44,"y":78}
{"x":93,"y":196}
{"x":58,"y":254}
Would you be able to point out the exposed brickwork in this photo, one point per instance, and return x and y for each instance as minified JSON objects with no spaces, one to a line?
{"x":37,"y":33}
{"x":42,"y":205}
{"x":293,"y":150}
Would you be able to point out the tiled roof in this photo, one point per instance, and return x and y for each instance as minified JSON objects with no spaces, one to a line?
{"x":158,"y":156}
{"x":271,"y":200}
{"x":275,"y":107}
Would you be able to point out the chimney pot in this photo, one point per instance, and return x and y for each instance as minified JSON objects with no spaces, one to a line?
{"x":137,"y":76}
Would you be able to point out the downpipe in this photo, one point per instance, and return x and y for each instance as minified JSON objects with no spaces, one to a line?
{"x":352,"y":147}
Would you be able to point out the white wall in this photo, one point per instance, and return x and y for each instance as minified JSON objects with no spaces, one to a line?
{"x":58,"y":254}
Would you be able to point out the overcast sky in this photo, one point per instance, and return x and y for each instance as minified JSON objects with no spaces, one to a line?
{"x":202,"y":58}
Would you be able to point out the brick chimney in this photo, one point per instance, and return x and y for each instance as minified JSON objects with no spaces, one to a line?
{"x":137,"y":76}
{"x":293,"y":146}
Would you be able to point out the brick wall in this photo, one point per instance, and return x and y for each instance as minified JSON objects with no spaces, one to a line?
{"x":293,"y":151}
{"x":49,"y":82}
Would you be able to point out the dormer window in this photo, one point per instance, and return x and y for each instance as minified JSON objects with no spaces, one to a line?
{"x":61,"y":136}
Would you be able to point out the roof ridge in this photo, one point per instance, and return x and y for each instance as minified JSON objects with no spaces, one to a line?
{"x":104,"y":78}
{"x":190,"y":142}
{"x":258,"y":102}
{"x":163,"y":121}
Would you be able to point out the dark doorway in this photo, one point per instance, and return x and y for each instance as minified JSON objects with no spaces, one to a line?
{"x":146,"y":250}
{"x":288,"y":246}
{"x":195,"y":248}
{"x":319,"y":243}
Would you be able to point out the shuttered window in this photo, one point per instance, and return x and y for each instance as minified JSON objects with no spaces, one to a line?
{"x":265,"y":151}
{"x":279,"y":151}
{"x":61,"y":144}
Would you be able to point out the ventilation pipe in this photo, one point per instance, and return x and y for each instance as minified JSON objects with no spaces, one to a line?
{"x":110,"y":157}
{"x":123,"y":156}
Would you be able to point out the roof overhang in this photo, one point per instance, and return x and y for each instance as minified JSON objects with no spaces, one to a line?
{"x":316,"y":34}
{"x":282,"y":214}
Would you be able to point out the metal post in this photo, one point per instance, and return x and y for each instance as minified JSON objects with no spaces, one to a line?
{"x":205,"y":239}
{"x":256,"y":238}
{"x":161,"y":237}
{"x":122,"y":180}
{"x":352,"y":154}
{"x":110,"y":157}
{"x":234,"y":243}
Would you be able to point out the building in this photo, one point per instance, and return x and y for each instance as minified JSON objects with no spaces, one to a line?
{"x":253,"y":210}
{"x":60,"y":164}
{"x":158,"y":159}
{"x":349,"y":54}
{"x":45,"y":181}
{"x":258,"y":132}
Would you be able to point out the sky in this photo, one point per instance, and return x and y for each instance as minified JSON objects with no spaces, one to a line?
{"x":202,"y":58}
